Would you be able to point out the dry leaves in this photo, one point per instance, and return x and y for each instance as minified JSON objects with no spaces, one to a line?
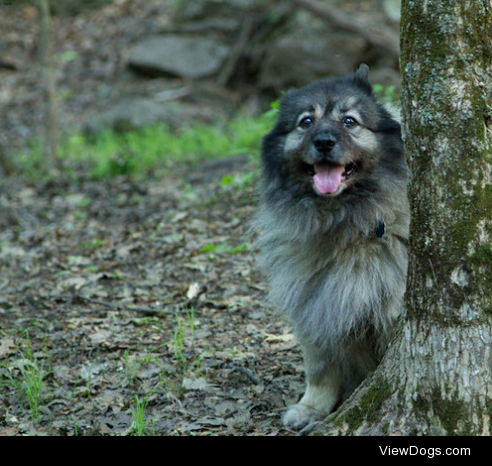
{"x":157,"y":298}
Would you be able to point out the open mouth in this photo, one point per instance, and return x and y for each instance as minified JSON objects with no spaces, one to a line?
{"x":328,"y":177}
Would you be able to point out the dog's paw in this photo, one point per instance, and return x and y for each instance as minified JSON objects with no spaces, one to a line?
{"x":300,"y":415}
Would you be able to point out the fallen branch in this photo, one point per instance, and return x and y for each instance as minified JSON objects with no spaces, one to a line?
{"x":174,"y":94}
{"x":252,"y":377}
{"x":119,"y":307}
{"x":238,"y":50}
{"x":380,"y":35}
{"x":49,"y":77}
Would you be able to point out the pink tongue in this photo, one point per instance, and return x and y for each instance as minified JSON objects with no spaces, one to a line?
{"x":328,"y":178}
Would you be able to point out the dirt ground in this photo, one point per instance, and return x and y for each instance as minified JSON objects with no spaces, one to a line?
{"x":120,"y":290}
{"x":120,"y":294}
{"x":125,"y":294}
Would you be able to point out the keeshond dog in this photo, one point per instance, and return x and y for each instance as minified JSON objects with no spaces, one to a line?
{"x":332,"y":227}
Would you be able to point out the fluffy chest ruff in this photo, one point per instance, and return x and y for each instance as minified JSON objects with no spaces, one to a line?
{"x":336,"y":287}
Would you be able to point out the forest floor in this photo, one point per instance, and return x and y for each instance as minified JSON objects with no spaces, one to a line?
{"x":135,"y":308}
{"x":128,"y":307}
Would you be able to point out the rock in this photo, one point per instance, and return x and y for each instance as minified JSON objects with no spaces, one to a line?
{"x":301,"y":57}
{"x":130,"y":114}
{"x":74,"y":7}
{"x":136,"y":112}
{"x":203,"y":9}
{"x":178,"y":55}
{"x":392,"y":8}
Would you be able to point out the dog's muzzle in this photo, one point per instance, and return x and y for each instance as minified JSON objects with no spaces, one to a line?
{"x":327,"y":174}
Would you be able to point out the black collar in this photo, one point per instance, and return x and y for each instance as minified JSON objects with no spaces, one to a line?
{"x":380,"y":229}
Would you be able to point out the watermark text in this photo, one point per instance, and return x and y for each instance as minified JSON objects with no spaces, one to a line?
{"x":427,"y":452}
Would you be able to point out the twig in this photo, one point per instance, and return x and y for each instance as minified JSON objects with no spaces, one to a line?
{"x":118,"y":307}
{"x":308,"y":429}
{"x":238,"y":49}
{"x":8,"y":65}
{"x":49,"y":72}
{"x":255,"y":380}
{"x":379,"y":35}
{"x":6,"y":163}
{"x":174,"y":94}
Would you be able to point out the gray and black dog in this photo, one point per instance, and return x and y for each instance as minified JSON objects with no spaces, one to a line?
{"x":332,"y":227}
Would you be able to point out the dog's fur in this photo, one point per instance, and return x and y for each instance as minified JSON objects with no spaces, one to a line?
{"x":332,"y":227}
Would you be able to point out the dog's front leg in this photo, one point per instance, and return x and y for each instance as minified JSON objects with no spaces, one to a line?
{"x":322,"y":392}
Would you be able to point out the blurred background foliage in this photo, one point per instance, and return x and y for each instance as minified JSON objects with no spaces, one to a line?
{"x":140,"y":86}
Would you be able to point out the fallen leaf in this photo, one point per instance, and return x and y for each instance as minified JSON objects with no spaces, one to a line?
{"x":194,"y":291}
{"x":195,"y":384}
{"x":6,"y":346}
{"x":8,"y":432}
{"x":279,"y":338}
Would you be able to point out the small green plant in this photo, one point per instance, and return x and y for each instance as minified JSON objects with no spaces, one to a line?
{"x":225,"y":247}
{"x":31,"y":383}
{"x":139,"y":426}
{"x":240,"y":181}
{"x":386,"y":93}
{"x":190,"y":320}
{"x":75,"y":427}
{"x":156,"y":148}
{"x":96,"y":243}
{"x":184,"y":325}
{"x":188,"y":364}
{"x":179,"y":341}
{"x":88,"y":377}
{"x":131,"y":367}
{"x":197,"y":367}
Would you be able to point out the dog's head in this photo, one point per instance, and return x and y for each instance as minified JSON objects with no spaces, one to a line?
{"x":328,"y":136}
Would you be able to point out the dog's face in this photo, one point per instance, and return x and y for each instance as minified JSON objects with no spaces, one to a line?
{"x":330,"y":134}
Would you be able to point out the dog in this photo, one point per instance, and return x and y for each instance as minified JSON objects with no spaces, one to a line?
{"x":332,"y":228}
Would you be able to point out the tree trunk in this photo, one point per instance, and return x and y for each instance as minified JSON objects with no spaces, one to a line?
{"x":436,"y":378}
{"x":49,"y":82}
{"x":6,"y":164}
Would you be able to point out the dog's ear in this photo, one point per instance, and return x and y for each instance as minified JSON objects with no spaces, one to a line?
{"x":362,"y":77}
{"x":362,"y":74}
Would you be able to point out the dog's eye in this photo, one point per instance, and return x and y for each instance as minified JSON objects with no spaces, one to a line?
{"x":306,"y":122}
{"x":349,"y":122}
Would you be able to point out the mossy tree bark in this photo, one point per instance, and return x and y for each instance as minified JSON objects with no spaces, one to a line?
{"x":436,"y":377}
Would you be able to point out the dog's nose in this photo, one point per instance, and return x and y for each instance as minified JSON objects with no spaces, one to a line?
{"x":324,"y":144}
